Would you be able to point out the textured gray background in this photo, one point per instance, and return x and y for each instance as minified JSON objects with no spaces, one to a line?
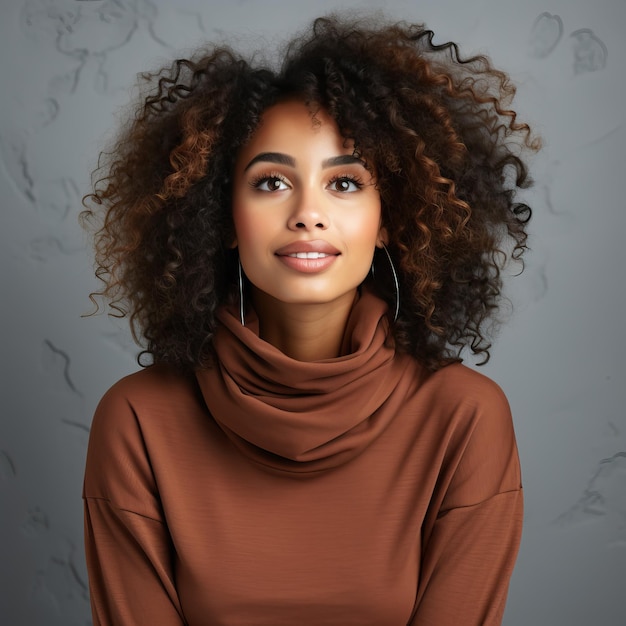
{"x":66,"y":71}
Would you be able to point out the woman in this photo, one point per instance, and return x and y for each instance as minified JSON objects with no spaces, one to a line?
{"x":305,"y":252}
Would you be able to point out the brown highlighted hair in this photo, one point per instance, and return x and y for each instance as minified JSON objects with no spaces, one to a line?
{"x":447,"y":149}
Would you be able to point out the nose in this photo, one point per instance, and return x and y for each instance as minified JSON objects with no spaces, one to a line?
{"x":308,"y":213}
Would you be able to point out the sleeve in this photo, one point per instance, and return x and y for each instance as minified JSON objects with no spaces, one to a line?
{"x":471,"y":536}
{"x":128,"y":548}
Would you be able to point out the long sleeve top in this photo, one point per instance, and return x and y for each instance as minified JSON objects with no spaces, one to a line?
{"x":265,"y":491}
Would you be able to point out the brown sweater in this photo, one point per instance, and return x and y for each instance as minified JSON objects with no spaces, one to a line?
{"x":267,"y":491}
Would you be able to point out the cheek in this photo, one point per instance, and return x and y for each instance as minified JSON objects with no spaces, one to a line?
{"x":366,"y":227}
{"x":244,"y":223}
{"x":253,"y":236}
{"x":242,"y":214}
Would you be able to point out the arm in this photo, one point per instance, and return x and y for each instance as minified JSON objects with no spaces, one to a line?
{"x":472,"y":533}
{"x":128,"y":548}
{"x":129,"y":563}
{"x":467,"y":564}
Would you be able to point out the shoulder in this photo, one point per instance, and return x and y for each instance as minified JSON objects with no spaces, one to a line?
{"x":145,"y":383}
{"x":135,"y":405}
{"x":460,"y":396}
{"x":481,"y":453}
{"x":469,"y":411}
{"x":462,"y":384}
{"x":156,"y":389}
{"x":119,"y":467}
{"x":476,"y":403}
{"x":145,"y":402}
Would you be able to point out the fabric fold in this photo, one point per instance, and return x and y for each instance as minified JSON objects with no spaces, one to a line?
{"x":304,"y":416}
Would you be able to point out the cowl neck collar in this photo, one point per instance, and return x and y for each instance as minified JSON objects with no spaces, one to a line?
{"x":303,"y":416}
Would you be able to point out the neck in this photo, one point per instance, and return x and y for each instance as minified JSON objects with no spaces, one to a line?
{"x":305,"y":332}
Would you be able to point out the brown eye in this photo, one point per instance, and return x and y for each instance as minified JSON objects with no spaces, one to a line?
{"x":274,"y":184}
{"x":344,"y":184}
{"x":270,"y":183}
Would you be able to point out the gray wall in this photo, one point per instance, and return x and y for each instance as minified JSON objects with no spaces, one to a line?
{"x":66,"y":71}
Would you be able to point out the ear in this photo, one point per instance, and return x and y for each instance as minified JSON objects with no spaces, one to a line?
{"x":234,"y":243}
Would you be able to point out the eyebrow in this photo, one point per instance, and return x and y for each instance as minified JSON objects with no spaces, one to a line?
{"x":272,"y":157}
{"x":284,"y":159}
{"x":344,"y":159}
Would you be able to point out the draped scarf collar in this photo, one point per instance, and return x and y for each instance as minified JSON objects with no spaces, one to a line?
{"x":303,"y":416}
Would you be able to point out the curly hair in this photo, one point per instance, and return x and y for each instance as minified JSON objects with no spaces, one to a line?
{"x":437,"y":128}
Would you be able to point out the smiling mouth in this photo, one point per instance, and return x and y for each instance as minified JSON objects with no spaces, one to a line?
{"x":308,"y":255}
{"x":308,"y":262}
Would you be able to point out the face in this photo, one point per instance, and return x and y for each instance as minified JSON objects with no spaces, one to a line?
{"x":306,"y":210}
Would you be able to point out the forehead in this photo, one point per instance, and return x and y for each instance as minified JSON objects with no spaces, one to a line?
{"x":288,"y":125}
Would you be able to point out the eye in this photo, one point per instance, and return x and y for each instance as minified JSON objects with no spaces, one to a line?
{"x":345,"y":184}
{"x":269,"y":183}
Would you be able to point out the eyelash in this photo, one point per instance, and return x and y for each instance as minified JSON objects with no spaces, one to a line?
{"x":355,"y":180}
{"x":257,"y":181}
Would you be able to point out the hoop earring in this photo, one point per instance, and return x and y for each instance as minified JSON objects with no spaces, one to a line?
{"x":395,"y":281}
{"x":240,"y":276}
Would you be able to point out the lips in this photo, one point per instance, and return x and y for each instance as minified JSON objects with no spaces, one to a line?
{"x":308,"y":257}
{"x":308,"y":249}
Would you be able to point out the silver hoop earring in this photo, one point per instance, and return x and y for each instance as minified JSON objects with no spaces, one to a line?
{"x":395,"y":282}
{"x":240,"y":275}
